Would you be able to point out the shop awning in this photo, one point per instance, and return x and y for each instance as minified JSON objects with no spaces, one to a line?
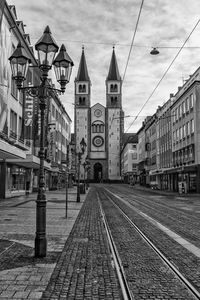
{"x":8,"y":151}
{"x":30,"y":162}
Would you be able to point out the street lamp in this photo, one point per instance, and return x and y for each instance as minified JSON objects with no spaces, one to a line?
{"x":84,"y":167}
{"x":79,"y":154}
{"x":19,"y":61}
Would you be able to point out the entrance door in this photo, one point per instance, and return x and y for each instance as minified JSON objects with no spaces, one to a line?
{"x":98,"y":175}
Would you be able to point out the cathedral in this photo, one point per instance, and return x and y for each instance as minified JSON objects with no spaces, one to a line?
{"x":100,"y":126}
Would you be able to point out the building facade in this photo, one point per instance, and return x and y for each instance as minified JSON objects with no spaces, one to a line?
{"x":172,"y":141}
{"x":20,"y":119}
{"x":101,"y":127}
{"x":129,"y":158}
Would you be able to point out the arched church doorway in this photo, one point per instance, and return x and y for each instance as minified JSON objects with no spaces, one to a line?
{"x":98,"y":174}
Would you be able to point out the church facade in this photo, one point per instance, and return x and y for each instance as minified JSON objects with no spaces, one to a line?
{"x":101,"y":127}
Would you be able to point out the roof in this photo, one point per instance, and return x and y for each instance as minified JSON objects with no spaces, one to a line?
{"x":113,"y":73}
{"x":82,"y":70}
{"x":129,"y":138}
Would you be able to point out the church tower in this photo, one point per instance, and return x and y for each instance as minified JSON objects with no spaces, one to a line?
{"x":115,"y":119}
{"x":82,"y":107}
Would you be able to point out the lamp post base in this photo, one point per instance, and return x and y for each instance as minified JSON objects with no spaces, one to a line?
{"x":40,"y":247}
{"x":40,"y":237}
{"x":78,"y":198}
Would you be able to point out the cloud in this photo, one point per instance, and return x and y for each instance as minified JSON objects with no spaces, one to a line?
{"x":100,"y":24}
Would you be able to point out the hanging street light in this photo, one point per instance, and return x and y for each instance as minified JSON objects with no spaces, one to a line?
{"x":154,"y":51}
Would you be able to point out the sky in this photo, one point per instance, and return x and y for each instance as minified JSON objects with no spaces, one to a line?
{"x":99,"y":24}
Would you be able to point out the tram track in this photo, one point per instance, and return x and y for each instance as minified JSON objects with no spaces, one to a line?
{"x":172,"y":214}
{"x":183,"y":280}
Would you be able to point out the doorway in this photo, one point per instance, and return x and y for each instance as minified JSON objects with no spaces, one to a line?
{"x":98,"y":174}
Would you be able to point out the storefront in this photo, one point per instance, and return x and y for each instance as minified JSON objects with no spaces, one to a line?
{"x":185,"y":178}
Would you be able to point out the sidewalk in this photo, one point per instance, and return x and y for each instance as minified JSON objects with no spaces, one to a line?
{"x":21,"y":275}
{"x":162,"y":192}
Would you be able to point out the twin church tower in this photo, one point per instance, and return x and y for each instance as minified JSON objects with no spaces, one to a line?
{"x":101,"y":127}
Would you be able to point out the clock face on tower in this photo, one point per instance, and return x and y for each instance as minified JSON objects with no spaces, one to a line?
{"x":97,"y":141}
{"x":98,"y":113}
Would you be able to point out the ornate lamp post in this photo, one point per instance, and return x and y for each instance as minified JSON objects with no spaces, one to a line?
{"x":79,"y":154}
{"x":84,"y":167}
{"x":19,"y":61}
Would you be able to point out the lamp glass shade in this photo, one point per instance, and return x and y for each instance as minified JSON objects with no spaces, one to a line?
{"x":47,"y":49}
{"x":19,"y":67}
{"x":19,"y":62}
{"x":63,"y":66}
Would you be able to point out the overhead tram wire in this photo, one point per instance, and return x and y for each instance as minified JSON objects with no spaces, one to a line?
{"x":120,"y":44}
{"x":164,"y":75}
{"x":133,"y":38}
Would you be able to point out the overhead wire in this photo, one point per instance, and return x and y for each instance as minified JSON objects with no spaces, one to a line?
{"x":133,"y":38}
{"x":131,"y":46}
{"x":164,"y":75}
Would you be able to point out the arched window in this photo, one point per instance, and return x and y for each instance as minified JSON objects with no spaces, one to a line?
{"x":111,"y":88}
{"x":113,"y":100}
{"x":81,"y":100}
{"x":80,"y":88}
{"x":98,"y":127}
{"x":115,"y":88}
{"x":83,"y":88}
{"x":94,"y":128}
{"x":101,"y":128}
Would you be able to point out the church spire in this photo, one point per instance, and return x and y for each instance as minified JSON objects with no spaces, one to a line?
{"x":82,"y":71}
{"x":113,"y":73}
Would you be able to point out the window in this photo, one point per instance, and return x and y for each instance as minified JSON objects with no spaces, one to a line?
{"x":180,"y":133}
{"x":81,"y":100}
{"x":192,"y":126}
{"x":113,"y":100}
{"x":188,"y":128}
{"x":176,"y":114}
{"x":20,"y":133}
{"x":191,"y":101}
{"x":115,"y":88}
{"x":184,"y":131}
{"x":14,"y":90}
{"x":53,"y":110}
{"x":134,"y":155}
{"x":13,"y":123}
{"x":187,"y":105}
{"x":183,"y":107}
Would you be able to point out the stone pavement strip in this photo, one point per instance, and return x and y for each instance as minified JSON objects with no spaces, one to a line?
{"x":85,"y":269}
{"x":21,"y":275}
